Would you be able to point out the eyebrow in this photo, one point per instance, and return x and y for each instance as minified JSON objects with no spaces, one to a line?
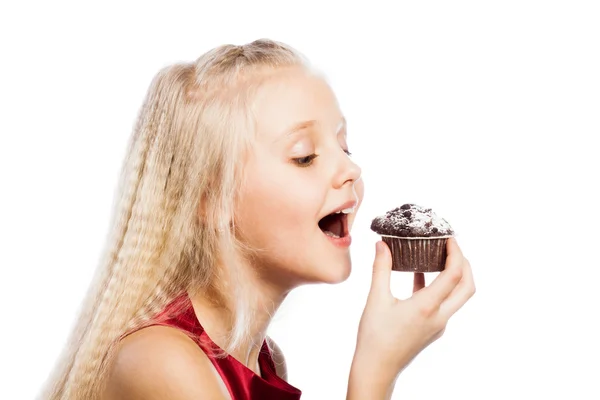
{"x":303,"y":125}
{"x":300,"y":126}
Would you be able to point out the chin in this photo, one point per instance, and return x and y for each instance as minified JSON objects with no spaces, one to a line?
{"x":334,"y":272}
{"x":337,"y":279}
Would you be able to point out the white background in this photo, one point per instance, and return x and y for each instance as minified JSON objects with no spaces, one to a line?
{"x":485,"y":111}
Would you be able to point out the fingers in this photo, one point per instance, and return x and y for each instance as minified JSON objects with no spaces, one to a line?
{"x":463,"y":292}
{"x":418,"y":282}
{"x":449,"y":278}
{"x":382,"y":269}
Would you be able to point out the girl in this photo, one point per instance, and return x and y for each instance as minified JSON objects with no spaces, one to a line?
{"x":234,"y":164}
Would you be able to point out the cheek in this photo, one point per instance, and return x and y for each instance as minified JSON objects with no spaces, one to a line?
{"x":278,"y":207}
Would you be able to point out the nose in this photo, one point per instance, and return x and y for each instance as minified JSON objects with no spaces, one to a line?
{"x":348,"y":172}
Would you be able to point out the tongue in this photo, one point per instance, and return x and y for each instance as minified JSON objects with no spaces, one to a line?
{"x":332,"y":225}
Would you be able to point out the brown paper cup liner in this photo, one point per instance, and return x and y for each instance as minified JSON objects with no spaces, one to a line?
{"x":417,"y":255}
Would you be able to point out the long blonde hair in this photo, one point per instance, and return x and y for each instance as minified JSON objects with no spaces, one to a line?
{"x":183,"y":161}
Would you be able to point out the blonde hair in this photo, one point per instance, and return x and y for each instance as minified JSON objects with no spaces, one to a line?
{"x":174,"y":206}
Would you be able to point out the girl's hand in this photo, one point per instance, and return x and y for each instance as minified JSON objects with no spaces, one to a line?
{"x":392,"y":331}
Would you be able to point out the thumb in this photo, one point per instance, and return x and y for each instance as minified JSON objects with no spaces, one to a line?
{"x":382,"y":269}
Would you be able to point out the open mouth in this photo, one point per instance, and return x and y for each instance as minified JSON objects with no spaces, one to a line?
{"x":335,"y":225}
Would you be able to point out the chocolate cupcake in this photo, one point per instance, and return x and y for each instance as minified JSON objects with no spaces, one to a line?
{"x":416,"y":237}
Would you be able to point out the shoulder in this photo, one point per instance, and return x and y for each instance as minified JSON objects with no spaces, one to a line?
{"x":278,"y":359}
{"x":160,"y":362}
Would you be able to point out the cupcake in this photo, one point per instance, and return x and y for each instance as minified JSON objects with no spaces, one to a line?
{"x":416,"y":237}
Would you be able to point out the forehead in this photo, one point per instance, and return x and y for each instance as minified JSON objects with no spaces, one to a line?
{"x":290,"y":98}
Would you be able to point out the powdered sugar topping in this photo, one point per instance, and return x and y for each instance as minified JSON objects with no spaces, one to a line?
{"x":411,"y":220}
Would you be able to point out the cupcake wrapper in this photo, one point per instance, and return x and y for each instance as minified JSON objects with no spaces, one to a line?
{"x":417,"y":255}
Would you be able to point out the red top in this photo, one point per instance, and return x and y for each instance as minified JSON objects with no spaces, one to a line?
{"x":241,"y":381}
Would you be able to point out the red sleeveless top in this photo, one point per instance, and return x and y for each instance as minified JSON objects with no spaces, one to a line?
{"x":241,"y":381}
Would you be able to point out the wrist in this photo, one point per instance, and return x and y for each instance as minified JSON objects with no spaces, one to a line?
{"x":366,"y":382}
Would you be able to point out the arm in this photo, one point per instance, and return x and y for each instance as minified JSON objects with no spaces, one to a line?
{"x":162,"y":363}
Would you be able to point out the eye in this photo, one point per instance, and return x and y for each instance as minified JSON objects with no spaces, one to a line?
{"x":304,"y":161}
{"x":347,"y":152}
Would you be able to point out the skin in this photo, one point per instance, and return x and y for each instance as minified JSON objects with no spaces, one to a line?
{"x":284,"y":194}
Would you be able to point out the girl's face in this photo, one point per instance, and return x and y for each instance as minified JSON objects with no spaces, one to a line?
{"x":301,"y":189}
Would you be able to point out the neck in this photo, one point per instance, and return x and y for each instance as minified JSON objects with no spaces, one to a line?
{"x":263,"y":296}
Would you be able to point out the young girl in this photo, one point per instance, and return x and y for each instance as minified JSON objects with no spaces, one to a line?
{"x":234,"y":163}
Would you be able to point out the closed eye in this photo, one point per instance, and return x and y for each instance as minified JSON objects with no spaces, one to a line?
{"x":304,"y":161}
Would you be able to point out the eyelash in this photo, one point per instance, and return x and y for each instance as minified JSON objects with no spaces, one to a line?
{"x":308,"y":160}
{"x":304,"y":161}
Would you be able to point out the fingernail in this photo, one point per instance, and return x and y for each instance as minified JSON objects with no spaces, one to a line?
{"x":378,"y":246}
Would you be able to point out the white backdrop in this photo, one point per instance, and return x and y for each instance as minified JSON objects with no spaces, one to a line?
{"x":485,"y":111}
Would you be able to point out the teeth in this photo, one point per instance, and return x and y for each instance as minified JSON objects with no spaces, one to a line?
{"x":331,"y":234}
{"x":346,"y":211}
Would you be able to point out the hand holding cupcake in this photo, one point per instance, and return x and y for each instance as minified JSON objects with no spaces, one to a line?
{"x":416,"y":237}
{"x":393,"y":331}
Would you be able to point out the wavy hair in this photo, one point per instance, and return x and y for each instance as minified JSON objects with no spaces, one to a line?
{"x":173,"y":220}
